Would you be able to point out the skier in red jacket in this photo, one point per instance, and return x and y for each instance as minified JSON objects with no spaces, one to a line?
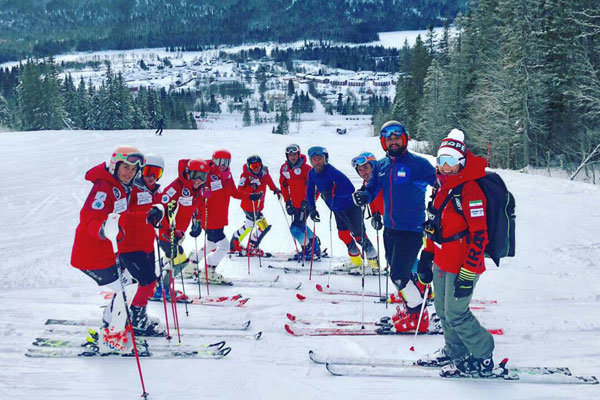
{"x":98,"y":228}
{"x":254,"y":180}
{"x":186,"y":191}
{"x":293,"y":176}
{"x":212,"y":215}
{"x":136,"y":250}
{"x":453,"y":259}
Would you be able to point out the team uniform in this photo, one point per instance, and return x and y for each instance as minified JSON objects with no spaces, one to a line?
{"x":457,"y":253}
{"x":93,"y":251}
{"x":336,"y":190}
{"x":293,"y":180}
{"x":253,"y":183}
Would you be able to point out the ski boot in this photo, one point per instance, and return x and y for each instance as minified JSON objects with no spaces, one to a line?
{"x":144,"y":325}
{"x":114,"y":342}
{"x":438,"y":358}
{"x":190,"y":271}
{"x":234,"y":246}
{"x":214,"y":278}
{"x":469,"y":366}
{"x":408,"y":321}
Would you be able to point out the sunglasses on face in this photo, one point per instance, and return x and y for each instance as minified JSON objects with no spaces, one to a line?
{"x":152,"y":170}
{"x":445,"y":159}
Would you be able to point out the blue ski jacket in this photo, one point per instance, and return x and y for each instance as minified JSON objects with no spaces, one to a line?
{"x":403,"y":180}
{"x":335,"y":187}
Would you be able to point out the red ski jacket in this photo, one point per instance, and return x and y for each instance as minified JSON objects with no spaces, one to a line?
{"x":188,"y":199}
{"x":293,"y":181}
{"x":107,"y":196}
{"x":221,"y":188}
{"x":250,"y":183}
{"x":140,"y":234}
{"x":467,"y":251}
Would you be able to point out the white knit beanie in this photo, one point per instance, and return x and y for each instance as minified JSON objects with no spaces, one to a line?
{"x":454,"y":145}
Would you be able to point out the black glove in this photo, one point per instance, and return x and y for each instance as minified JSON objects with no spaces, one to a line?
{"x":255,"y":196}
{"x":277,"y":193}
{"x":425,"y":268}
{"x":154,"y":216}
{"x":463,"y":286}
{"x":360,"y":198}
{"x":376,"y":221}
{"x":289,"y":208}
{"x":196,"y":228}
{"x":314,"y":215}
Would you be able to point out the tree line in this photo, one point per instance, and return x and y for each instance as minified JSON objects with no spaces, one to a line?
{"x":521,"y":78}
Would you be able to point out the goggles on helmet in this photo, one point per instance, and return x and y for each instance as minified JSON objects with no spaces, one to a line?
{"x":197,"y":175}
{"x":255,"y":165}
{"x":152,"y":170}
{"x":388,"y":131}
{"x":136,"y":159}
{"x":292,"y":149}
{"x":316,"y":151}
{"x":446,"y":159}
{"x":221,"y":161}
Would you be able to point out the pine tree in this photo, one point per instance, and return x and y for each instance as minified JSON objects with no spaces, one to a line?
{"x":247,"y":120}
{"x":291,"y":91}
{"x":4,"y":112}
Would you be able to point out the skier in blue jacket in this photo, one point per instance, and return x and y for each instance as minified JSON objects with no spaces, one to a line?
{"x":336,"y":190}
{"x":403,"y":178}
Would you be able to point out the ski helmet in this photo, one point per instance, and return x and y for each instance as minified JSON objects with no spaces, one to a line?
{"x":318,"y":151}
{"x":155,"y":165}
{"x":393,"y":128}
{"x":254,"y":161}
{"x":197,"y":169}
{"x":221,"y":157}
{"x":364,"y":158}
{"x":127,"y":154}
{"x":292,"y":148}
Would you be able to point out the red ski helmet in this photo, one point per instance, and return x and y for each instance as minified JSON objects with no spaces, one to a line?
{"x":221,"y":157}
{"x":197,"y":169}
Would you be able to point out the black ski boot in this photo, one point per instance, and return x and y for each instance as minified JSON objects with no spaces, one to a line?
{"x":142,"y":325}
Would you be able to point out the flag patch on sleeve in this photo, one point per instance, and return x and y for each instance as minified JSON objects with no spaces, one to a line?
{"x":476,"y":207}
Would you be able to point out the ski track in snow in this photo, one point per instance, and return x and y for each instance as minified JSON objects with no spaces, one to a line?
{"x":548,"y":295}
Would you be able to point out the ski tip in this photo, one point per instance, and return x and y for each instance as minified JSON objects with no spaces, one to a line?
{"x":246,"y":324}
{"x":300,"y":297}
{"x":218,"y":345}
{"x":291,"y":317}
{"x":223,"y":352}
{"x":503,"y":362}
{"x":258,"y":336}
{"x":289,"y":330}
{"x":242,"y":302}
{"x":236,"y":297}
{"x":412,"y":348}
{"x":496,"y":331}
{"x":331,"y":369}
{"x":319,"y":287}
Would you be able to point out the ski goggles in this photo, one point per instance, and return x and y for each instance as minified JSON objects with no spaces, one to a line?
{"x":255,"y":165}
{"x":317,"y":151}
{"x":446,"y":159}
{"x":361,"y":160}
{"x":388,"y":131}
{"x":198,"y":175}
{"x":152,"y":170}
{"x":292,"y":149}
{"x":136,"y":159}
{"x":221,"y":161}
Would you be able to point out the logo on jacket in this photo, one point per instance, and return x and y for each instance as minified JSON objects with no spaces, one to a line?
{"x":185,"y":192}
{"x":117,"y":193}
{"x":297,"y":171}
{"x":401,"y":174}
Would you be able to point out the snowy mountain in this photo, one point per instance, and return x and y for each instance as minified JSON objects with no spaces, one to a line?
{"x":547,"y":296}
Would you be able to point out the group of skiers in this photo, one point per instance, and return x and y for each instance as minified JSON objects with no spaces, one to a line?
{"x":115,"y":238}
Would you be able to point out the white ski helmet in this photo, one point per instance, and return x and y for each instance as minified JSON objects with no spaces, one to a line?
{"x":155,"y":160}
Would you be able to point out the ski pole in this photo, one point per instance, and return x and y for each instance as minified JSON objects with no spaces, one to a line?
{"x":198,"y":261}
{"x":288,"y":223}
{"x":362,"y":250}
{"x":171,"y":217}
{"x":378,"y":264}
{"x":205,"y":244}
{"x":162,"y":287}
{"x":113,"y":241}
{"x":387,"y":282}
{"x":412,"y":348}
{"x":304,"y":243}
{"x":312,"y":252}
{"x":330,"y":248}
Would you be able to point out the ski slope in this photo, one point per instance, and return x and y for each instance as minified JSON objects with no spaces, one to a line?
{"x":548,"y":295}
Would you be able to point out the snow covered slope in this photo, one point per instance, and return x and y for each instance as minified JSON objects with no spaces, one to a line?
{"x":548,"y":295}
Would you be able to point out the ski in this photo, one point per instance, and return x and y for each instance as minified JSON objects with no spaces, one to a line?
{"x":225,"y":325}
{"x":338,"y":322}
{"x":257,"y":282}
{"x":224,"y":301}
{"x":151,"y":343}
{"x":65,"y":333}
{"x":501,"y":374}
{"x":348,"y":331}
{"x":180,"y":352}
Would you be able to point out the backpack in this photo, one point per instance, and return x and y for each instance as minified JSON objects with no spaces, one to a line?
{"x":500,"y":214}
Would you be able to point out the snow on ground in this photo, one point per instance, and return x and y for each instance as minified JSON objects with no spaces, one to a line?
{"x":548,"y":295}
